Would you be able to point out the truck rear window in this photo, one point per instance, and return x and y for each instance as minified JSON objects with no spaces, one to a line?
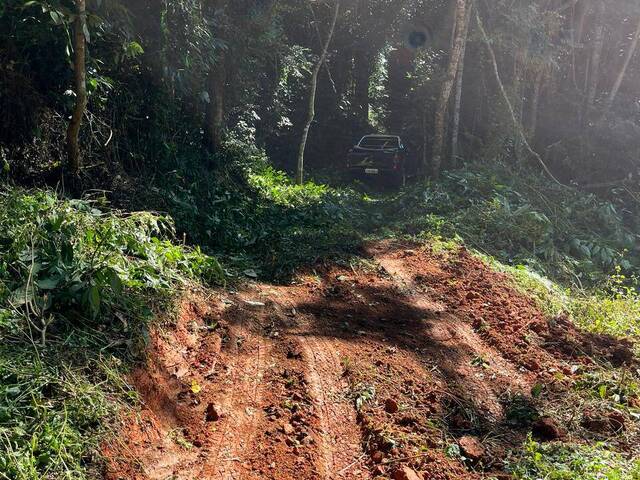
{"x":379,"y":142}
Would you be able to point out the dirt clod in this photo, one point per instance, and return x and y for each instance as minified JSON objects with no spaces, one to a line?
{"x":545,"y":428}
{"x":391,"y":406}
{"x":472,"y":448}
{"x":377,"y":456}
{"x":288,"y":429}
{"x":622,"y":355}
{"x":596,"y":423}
{"x":212,"y":413}
{"x":405,"y":473}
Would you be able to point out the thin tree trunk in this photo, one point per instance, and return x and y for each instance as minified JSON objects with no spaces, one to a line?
{"x":214,"y":121}
{"x":214,"y":116}
{"x":623,"y":71}
{"x":505,"y":97}
{"x":535,"y":102}
{"x":74,"y":157}
{"x":311,"y":112}
{"x":362,"y":75}
{"x":594,"y":76}
{"x":455,"y":135}
{"x":445,"y":92}
{"x":578,"y":14}
{"x":582,"y":15}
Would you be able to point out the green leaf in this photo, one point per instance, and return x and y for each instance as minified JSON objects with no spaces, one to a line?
{"x":602,"y":391}
{"x":66,"y":253}
{"x":115,"y":282}
{"x":49,"y":283}
{"x":56,"y":17}
{"x":85,"y":30}
{"x":537,"y":390}
{"x":92,"y":298}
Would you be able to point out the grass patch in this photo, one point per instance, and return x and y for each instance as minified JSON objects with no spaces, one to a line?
{"x":51,"y":414}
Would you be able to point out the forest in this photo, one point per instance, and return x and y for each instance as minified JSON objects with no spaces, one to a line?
{"x":320,"y":239}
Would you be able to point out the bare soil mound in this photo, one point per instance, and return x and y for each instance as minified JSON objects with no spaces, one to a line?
{"x":411,"y":364}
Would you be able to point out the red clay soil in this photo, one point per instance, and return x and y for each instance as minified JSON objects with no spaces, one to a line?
{"x":352,"y":373}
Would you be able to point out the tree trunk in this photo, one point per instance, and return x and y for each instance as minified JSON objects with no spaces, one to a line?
{"x":623,"y":71}
{"x":398,"y":86}
{"x":445,"y":92}
{"x":594,"y":76}
{"x":535,"y":102}
{"x":362,"y":75}
{"x":505,"y":97}
{"x":311,"y":112}
{"x":458,"y":98}
{"x":214,"y":117}
{"x":582,"y":8}
{"x":214,"y":121}
{"x":74,"y":158}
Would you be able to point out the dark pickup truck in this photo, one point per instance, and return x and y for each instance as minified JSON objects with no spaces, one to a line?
{"x":382,"y":156}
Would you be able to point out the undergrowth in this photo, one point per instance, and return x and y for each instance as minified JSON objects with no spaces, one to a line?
{"x":254,"y":216}
{"x":77,"y":287}
{"x":557,"y":461}
{"x":521,"y":218}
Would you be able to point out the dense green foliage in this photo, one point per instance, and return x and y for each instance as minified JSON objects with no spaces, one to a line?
{"x":257,"y":215}
{"x":76,"y":286}
{"x":256,"y":212}
{"x":519,"y":217}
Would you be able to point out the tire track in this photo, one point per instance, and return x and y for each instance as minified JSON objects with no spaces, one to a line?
{"x":225,"y":457}
{"x":340,"y":447}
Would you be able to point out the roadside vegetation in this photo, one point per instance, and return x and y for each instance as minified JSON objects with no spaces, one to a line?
{"x":78,"y":285}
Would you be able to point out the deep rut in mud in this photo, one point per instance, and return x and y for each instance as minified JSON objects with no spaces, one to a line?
{"x":346,"y":373}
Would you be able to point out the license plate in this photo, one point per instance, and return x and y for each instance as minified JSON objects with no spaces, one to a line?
{"x":371,"y":171}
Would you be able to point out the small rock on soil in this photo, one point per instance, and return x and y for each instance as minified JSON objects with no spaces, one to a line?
{"x":390,"y":405}
{"x":212,"y":413}
{"x":377,"y":456}
{"x":405,"y":473}
{"x":546,"y":429}
{"x":471,"y":448}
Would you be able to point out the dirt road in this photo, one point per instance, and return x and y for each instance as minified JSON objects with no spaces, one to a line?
{"x":362,"y":371}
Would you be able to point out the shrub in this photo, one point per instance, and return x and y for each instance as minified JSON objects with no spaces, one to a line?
{"x":76,"y":283}
{"x":557,"y":461}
